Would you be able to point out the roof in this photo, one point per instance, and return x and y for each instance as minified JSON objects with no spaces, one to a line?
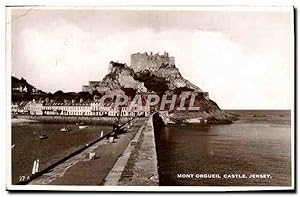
{"x":68,"y":104}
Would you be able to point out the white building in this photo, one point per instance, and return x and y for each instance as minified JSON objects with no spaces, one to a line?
{"x":99,"y":110}
{"x":34,"y":108}
{"x":82,"y":109}
{"x":14,"y":108}
{"x":68,"y":109}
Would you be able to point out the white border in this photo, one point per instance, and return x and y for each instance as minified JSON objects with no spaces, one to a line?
{"x":8,"y":98}
{"x":162,"y":8}
{"x":146,"y":188}
{"x":134,"y":188}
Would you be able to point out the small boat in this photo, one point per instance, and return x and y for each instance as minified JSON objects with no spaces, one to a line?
{"x":65,"y":129}
{"x":82,"y":126}
{"x":13,"y":146}
{"x":42,"y":137}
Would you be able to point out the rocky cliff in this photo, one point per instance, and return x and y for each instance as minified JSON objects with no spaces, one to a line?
{"x":166,"y":79}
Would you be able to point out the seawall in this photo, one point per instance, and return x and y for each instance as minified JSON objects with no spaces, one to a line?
{"x":74,"y":119}
{"x":138,"y":164}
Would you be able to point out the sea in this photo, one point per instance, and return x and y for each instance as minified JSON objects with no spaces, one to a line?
{"x":253,"y":151}
{"x":258,"y":146}
{"x":28,"y":147}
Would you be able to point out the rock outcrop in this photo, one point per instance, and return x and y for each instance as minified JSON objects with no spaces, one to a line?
{"x":123,"y":76}
{"x":165,"y":78}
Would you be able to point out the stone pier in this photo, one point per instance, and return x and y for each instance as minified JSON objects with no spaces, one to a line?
{"x":129,"y":160}
{"x":138,"y":164}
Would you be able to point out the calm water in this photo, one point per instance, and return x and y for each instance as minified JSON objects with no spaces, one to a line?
{"x":59,"y":144}
{"x":259,"y":143}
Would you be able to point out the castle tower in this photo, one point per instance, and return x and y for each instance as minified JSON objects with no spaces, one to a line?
{"x":143,"y":61}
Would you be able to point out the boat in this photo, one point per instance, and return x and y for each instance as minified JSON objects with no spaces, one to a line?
{"x":42,"y":137}
{"x":65,"y":129}
{"x":82,"y":126}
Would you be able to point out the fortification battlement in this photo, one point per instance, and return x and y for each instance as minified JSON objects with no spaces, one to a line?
{"x":152,"y":62}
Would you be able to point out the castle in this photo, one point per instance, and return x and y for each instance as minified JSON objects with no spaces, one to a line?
{"x":140,"y":61}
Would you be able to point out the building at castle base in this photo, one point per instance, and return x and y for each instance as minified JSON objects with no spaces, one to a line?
{"x":92,"y":86}
{"x":152,"y":62}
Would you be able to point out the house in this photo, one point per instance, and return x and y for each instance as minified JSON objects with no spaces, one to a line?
{"x":34,"y":108}
{"x":67,"y":109}
{"x":82,"y":108}
{"x":14,"y":108}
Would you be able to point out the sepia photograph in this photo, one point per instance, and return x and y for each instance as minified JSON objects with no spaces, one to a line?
{"x":162,"y":97}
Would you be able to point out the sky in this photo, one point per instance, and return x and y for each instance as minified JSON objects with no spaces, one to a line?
{"x":243,"y":58}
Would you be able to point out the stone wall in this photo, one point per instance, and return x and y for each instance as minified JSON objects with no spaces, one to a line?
{"x":74,"y":119}
{"x":140,"y":168}
{"x":142,"y":61}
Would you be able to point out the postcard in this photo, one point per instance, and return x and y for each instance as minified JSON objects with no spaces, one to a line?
{"x":150,"y":98}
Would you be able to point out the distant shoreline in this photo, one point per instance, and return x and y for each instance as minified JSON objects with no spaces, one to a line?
{"x":98,"y":120}
{"x":21,"y":120}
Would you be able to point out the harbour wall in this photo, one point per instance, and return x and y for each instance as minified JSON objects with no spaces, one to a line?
{"x":75,"y":119}
{"x":146,"y":166}
{"x":138,"y":164}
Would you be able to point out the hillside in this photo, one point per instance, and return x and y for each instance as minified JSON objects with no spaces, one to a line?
{"x":21,"y":90}
{"x":15,"y":83}
{"x":166,"y":79}
{"x":122,"y":79}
